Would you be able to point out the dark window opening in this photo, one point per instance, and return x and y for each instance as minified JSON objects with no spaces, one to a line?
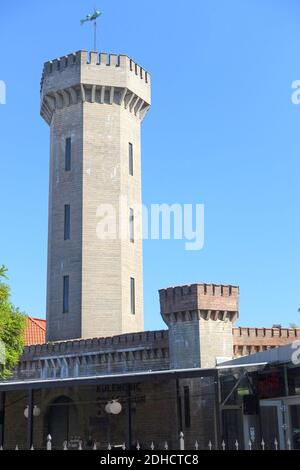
{"x":131,"y":225}
{"x":130,"y":159}
{"x":67,"y":222}
{"x":132,"y":295}
{"x":66,"y":288}
{"x":187,"y":407}
{"x":68,"y":152}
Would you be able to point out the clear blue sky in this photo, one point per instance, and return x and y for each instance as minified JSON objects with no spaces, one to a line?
{"x":222,"y":131}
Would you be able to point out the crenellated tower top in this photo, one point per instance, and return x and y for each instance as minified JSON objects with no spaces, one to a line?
{"x":210,"y":301}
{"x":94,"y":77}
{"x":200,"y":319}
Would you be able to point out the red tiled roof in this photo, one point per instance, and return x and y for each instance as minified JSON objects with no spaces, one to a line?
{"x":35,"y":332}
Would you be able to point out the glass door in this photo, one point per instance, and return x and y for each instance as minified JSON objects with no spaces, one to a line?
{"x":272,"y":426}
{"x":232,"y":424}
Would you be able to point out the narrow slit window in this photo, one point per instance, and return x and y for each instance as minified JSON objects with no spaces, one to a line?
{"x":131,"y":225}
{"x":130,"y":159}
{"x":66,"y":288}
{"x":187,"y":407}
{"x":132,"y":295}
{"x":68,"y":154}
{"x":67,"y":222}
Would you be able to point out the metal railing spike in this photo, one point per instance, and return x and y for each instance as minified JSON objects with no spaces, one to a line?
{"x":263,"y":444}
{"x":210,"y":445}
{"x":109,"y":447}
{"x":124,"y":446}
{"x":250,"y":444}
{"x":152,"y":446}
{"x":138,"y":445}
{"x":276,"y":443}
{"x":289,"y":444}
{"x":236,"y":445}
{"x":223,"y":445}
{"x":196,"y":445}
{"x":166,"y":446}
{"x":181,"y":441}
{"x":49,"y":442}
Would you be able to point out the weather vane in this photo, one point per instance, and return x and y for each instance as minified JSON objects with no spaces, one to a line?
{"x":93,"y":17}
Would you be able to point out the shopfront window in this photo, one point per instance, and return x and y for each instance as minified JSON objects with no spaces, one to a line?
{"x":293,"y":374}
{"x":271,"y":383}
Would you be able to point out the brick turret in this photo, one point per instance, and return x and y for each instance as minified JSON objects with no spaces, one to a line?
{"x":200,"y":319}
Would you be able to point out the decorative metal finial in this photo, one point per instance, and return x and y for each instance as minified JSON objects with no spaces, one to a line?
{"x":93,"y":17}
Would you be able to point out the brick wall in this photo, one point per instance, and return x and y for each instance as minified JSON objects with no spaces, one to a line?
{"x":200,"y":319}
{"x":252,"y":340}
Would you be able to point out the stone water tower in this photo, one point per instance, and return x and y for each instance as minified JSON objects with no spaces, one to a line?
{"x":94,"y":104}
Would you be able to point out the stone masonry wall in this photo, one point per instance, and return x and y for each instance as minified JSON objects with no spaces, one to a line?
{"x":98,"y":100}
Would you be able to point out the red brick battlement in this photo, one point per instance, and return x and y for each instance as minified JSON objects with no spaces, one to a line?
{"x":252,"y":340}
{"x":213,"y":297}
{"x":245,"y":340}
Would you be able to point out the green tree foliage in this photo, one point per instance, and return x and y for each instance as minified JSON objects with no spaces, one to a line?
{"x":12,"y":328}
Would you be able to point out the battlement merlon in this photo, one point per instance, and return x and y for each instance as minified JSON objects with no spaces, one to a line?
{"x":220,"y":300}
{"x":127,"y":342}
{"x":99,"y":69}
